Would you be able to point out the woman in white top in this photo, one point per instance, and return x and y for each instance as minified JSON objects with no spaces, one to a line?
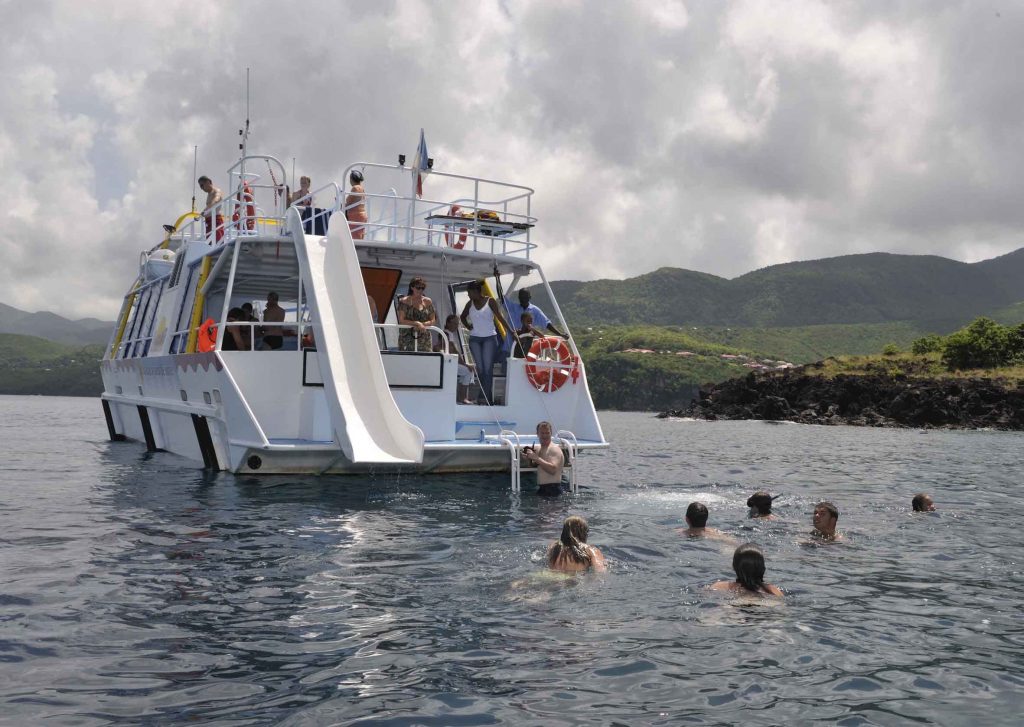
{"x":479,"y":316}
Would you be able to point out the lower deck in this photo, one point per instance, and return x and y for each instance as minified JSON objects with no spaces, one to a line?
{"x":269,"y":412}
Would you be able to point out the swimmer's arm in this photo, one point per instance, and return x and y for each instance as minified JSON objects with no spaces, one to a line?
{"x":600,"y":566}
{"x":721,"y":586}
{"x":773,"y":590}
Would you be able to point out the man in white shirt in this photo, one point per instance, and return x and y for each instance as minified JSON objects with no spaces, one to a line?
{"x":549,"y":461}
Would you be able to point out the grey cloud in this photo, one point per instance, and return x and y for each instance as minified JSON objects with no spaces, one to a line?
{"x":750,"y":134}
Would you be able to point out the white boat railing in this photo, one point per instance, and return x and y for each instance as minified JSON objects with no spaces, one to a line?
{"x":493,"y":225}
{"x":383,"y":328}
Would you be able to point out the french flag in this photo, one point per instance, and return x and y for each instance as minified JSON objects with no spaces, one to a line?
{"x":420,"y":165}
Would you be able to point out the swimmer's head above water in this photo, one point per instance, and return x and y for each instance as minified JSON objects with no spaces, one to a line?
{"x":825,"y":517}
{"x":760,"y":504}
{"x":748,"y":564}
{"x":697,"y":515}
{"x":571,"y":552}
{"x":922,"y":503}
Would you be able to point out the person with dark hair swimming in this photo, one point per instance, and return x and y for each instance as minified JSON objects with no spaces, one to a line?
{"x":923,"y":503}
{"x":760,"y":504}
{"x":697,"y":520}
{"x":570,"y":553}
{"x":826,"y":516}
{"x":748,"y":564}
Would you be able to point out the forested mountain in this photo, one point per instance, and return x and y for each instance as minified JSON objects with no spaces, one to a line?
{"x":869,"y":288}
{"x":53,"y":327}
{"x":650,"y":340}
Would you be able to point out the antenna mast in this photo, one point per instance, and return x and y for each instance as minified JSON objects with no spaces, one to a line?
{"x":244,"y":133}
{"x":195,"y":169}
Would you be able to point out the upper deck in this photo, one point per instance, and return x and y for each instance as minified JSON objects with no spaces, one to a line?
{"x":467,"y":216}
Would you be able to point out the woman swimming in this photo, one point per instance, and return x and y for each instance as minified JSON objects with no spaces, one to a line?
{"x":748,"y":563}
{"x":570,"y":553}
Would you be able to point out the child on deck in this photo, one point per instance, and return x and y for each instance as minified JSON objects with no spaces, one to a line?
{"x":525,"y":335}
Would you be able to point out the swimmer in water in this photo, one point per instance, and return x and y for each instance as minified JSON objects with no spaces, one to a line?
{"x":922,"y":503}
{"x":570,"y":553}
{"x":760,"y":504}
{"x":696,"y":520}
{"x":748,"y":564}
{"x":826,"y":515}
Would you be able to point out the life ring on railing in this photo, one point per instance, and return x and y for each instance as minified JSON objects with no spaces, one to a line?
{"x":549,"y":350}
{"x":245,"y":197}
{"x":462,"y":231}
{"x":207,"y":336}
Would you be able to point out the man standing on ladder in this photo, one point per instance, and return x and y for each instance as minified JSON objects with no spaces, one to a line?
{"x":549,"y":461}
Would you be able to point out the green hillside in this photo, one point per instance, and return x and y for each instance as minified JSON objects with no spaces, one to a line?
{"x":685,"y":328}
{"x":31,"y":365}
{"x":853,"y":289}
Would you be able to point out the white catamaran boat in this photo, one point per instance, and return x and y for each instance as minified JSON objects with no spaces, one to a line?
{"x":334,"y":388}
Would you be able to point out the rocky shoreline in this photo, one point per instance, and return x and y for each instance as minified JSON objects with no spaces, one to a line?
{"x":862,"y":400}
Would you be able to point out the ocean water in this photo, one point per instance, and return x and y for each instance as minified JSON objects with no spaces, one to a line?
{"x":137,"y":589}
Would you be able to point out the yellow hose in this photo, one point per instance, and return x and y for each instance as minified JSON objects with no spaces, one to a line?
{"x":197,"y":307}
{"x":177,"y":226}
{"x":124,"y":322}
{"x":501,"y":306}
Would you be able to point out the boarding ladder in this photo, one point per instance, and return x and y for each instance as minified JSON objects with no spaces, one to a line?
{"x":563,"y":438}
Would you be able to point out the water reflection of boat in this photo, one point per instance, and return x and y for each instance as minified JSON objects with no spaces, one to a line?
{"x":336,"y":392}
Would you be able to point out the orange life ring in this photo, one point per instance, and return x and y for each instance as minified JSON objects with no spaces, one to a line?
{"x":207,"y":336}
{"x":245,"y":196}
{"x":462,"y":231}
{"x":548,"y":350}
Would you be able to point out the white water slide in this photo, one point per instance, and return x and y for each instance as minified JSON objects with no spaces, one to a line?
{"x":367,"y":422}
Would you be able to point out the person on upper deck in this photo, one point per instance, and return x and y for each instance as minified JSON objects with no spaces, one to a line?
{"x":355,"y":206}
{"x":416,"y":310}
{"x":302,"y":191}
{"x":273,"y":336}
{"x":479,"y":317}
{"x":213,"y":221}
{"x":516,"y":310}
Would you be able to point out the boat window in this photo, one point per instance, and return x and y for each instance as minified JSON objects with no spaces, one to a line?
{"x":176,"y":270}
{"x":184,"y":313}
{"x":136,"y":322}
{"x":150,"y":318}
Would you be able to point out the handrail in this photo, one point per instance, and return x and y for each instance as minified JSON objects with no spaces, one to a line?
{"x":416,"y":343}
{"x":253,"y":325}
{"x":506,"y":436}
{"x":574,"y":448}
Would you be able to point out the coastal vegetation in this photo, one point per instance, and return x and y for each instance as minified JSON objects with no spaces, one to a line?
{"x":650,"y":341}
{"x":32,"y":365}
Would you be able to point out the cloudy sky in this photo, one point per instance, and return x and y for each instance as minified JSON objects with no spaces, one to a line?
{"x":715,"y":136}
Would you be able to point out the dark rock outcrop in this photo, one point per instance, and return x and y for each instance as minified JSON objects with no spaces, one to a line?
{"x":866,"y":400}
